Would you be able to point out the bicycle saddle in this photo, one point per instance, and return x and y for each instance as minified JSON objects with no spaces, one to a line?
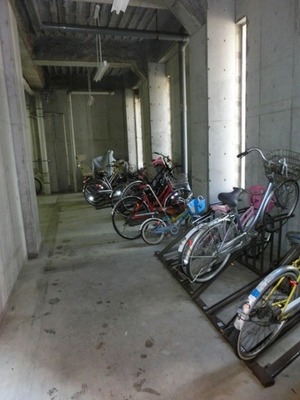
{"x":231,"y":198}
{"x":293,"y":237}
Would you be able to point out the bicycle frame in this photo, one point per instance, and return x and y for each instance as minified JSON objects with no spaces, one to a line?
{"x":246,"y":223}
{"x":288,"y":307}
{"x":172,"y":226}
{"x":159,"y":204}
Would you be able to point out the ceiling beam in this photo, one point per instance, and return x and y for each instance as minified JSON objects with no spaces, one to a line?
{"x":115,"y":32}
{"x":69,"y":63}
{"x":133,"y":3}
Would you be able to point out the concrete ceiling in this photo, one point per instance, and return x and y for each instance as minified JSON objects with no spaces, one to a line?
{"x":58,"y":39}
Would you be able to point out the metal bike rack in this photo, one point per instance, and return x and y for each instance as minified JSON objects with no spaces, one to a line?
{"x":257,"y":269}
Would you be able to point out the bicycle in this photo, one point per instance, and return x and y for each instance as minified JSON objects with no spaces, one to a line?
{"x":269,"y":306}
{"x":99,"y":189}
{"x":129,"y":212}
{"x":38,"y":176}
{"x":154,"y":230}
{"x":210,"y":249}
{"x":254,"y":194}
{"x":164,"y":167}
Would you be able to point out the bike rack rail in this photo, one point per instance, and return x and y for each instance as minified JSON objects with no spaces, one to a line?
{"x":256,"y":268}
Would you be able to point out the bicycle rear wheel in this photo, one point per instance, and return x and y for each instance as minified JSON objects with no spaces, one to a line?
{"x":262,"y":323}
{"x":281,"y":206}
{"x":153,"y":230}
{"x":206,"y":257}
{"x":38,"y":186}
{"x":128,"y":215}
{"x":186,"y":250}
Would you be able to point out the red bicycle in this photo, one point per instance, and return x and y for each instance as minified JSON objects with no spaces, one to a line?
{"x":131,"y":211}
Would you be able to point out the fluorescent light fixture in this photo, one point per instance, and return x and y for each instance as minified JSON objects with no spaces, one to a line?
{"x":103,"y":67}
{"x":119,"y":5}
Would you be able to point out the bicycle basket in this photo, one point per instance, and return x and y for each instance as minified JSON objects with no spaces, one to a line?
{"x":196,"y":206}
{"x":179,"y":179}
{"x":276,"y":158}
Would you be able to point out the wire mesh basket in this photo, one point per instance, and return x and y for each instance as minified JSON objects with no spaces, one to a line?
{"x":179,"y":178}
{"x":284,"y":164}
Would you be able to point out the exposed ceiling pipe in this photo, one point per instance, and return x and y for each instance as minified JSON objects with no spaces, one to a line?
{"x":116,"y":32}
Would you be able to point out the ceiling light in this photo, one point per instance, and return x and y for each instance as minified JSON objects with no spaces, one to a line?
{"x":119,"y":5}
{"x":102,"y":68}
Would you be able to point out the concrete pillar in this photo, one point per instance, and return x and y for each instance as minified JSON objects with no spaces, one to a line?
{"x":223,"y":129}
{"x":159,"y":96}
{"x":43,"y":146}
{"x":131,"y":129}
{"x":12,"y":76}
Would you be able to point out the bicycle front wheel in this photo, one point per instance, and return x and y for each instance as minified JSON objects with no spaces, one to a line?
{"x":153,"y":230}
{"x":262,"y":322}
{"x":207,"y":258}
{"x":281,"y":206}
{"x":133,"y":189}
{"x":128,"y":215}
{"x":96,"y":191}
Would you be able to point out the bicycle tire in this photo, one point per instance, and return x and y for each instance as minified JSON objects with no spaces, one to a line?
{"x":186,"y":249}
{"x":261,"y":323}
{"x":133,"y":189}
{"x":281,"y":206}
{"x":177,"y":198}
{"x":128,"y":215}
{"x":38,"y":186}
{"x":205,"y":261}
{"x":151,"y":232}
{"x":92,"y":191}
{"x":116,"y":194}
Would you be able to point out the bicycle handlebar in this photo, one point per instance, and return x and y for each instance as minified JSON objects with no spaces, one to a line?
{"x":164,"y":156}
{"x":246,"y":152}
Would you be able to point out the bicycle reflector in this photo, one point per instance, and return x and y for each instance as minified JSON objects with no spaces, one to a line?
{"x":197,"y":206}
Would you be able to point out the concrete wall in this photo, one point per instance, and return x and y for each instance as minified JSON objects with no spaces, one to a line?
{"x":172,"y":70}
{"x":273,"y":86}
{"x":89,"y":130}
{"x":19,"y":230}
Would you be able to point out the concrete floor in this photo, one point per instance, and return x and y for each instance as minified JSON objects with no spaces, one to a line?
{"x":97,"y":317}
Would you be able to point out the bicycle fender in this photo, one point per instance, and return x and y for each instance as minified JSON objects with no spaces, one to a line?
{"x":149,"y":219}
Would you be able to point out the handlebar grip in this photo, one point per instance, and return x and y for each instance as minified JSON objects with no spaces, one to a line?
{"x":243,"y":154}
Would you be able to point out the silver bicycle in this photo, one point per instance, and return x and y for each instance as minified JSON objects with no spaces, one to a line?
{"x":209,"y":250}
